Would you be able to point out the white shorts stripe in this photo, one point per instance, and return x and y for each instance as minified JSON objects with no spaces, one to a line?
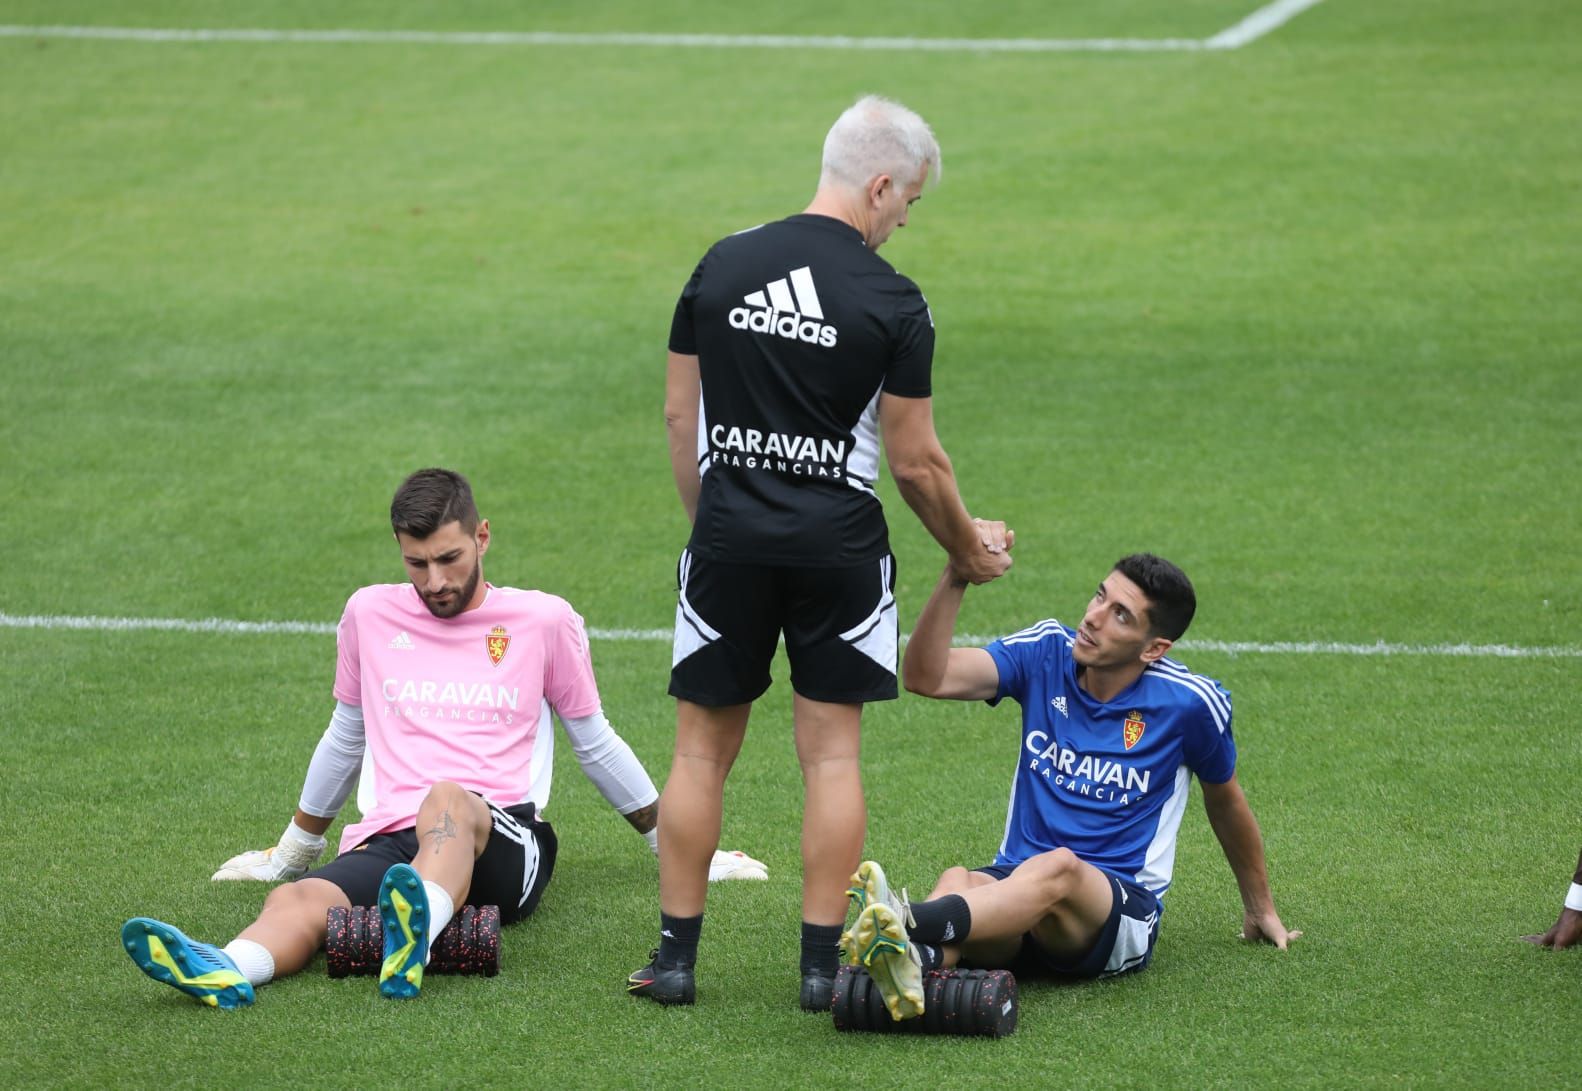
{"x":1131,"y":943}
{"x":512,"y":830}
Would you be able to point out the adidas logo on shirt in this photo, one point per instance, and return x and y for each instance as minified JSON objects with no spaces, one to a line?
{"x":788,"y":308}
{"x":402,"y":642}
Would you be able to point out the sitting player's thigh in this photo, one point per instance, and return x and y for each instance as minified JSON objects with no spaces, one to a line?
{"x":1080,"y":905}
{"x":1124,"y":941}
{"x":516,"y":862}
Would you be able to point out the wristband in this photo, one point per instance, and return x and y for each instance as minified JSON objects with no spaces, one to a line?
{"x":1574,"y":897}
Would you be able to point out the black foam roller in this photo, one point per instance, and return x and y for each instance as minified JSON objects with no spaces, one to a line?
{"x":966,"y":1002}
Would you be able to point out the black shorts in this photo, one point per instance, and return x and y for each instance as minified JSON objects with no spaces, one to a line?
{"x":1125,"y":944}
{"x":840,"y":627}
{"x":511,"y":873}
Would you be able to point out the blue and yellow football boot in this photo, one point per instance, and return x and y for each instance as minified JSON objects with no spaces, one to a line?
{"x":403,"y":908}
{"x":203,"y":972}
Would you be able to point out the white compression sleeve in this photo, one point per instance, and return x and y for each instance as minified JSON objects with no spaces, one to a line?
{"x":337,"y":761}
{"x":609,"y":762}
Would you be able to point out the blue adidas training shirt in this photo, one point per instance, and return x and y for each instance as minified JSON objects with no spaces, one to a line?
{"x":1106,"y":779}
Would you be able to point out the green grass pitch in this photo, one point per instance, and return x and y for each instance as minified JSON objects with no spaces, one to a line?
{"x":1302,"y":316}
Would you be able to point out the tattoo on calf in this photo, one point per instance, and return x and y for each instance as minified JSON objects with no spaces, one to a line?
{"x":444,"y":830}
{"x":644,"y":818}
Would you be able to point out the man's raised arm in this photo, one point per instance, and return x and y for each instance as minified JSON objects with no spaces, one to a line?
{"x":935,"y":669}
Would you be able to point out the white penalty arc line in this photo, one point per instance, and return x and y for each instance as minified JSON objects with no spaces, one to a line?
{"x":1261,"y":22}
{"x":323,"y":628}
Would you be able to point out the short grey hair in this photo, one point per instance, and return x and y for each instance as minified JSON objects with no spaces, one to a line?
{"x":879,"y":136}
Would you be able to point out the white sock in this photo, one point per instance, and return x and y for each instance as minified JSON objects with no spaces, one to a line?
{"x":252,"y":959}
{"x":440,"y":911}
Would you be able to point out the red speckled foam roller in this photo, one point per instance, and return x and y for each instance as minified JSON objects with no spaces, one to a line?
{"x":470,"y":943}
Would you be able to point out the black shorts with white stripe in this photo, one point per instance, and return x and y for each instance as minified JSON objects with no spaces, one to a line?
{"x":840,"y":626}
{"x":512,"y":871}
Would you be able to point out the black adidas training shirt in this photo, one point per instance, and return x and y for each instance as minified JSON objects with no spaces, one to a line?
{"x":797,"y":327}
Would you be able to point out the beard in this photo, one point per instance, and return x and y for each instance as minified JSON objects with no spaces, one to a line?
{"x":460,"y":600}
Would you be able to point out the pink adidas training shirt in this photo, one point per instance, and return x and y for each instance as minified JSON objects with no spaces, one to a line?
{"x":466,"y":699}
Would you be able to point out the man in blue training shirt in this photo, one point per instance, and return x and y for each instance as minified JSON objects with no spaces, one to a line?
{"x":1112,"y":732}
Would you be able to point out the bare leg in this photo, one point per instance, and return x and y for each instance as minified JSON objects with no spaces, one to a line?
{"x":986,"y":951}
{"x":292,"y":926}
{"x":834,"y":816}
{"x":707,"y":742}
{"x":1063,"y":901}
{"x":453,"y":827}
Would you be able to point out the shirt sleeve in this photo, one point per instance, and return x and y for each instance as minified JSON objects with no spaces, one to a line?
{"x":569,"y":685}
{"x":337,"y":761}
{"x":683,"y":337}
{"x":348,"y":668}
{"x":1208,"y":747}
{"x":608,"y":761}
{"x":1021,"y":655}
{"x":910,"y":374}
{"x":1013,"y":672}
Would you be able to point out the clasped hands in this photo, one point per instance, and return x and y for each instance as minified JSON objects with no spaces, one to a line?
{"x":992,"y":560}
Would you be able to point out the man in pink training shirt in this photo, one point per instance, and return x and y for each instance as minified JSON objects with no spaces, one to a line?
{"x":444,"y":688}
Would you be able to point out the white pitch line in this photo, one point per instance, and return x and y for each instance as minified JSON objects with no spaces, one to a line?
{"x":174,"y":624}
{"x":324,"y":628}
{"x":558,"y":38}
{"x":1250,"y":29}
{"x":1268,"y":18}
{"x":1319,"y":647}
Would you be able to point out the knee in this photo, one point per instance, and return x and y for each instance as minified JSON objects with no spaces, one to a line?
{"x":466,"y":810}
{"x":824,"y":766}
{"x":1055,"y":873}
{"x":446,"y":795}
{"x":292,"y":900}
{"x":954,"y":880}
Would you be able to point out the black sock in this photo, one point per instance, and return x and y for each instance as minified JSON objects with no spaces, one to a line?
{"x":931,"y":957}
{"x":820,"y":947}
{"x":678,"y":939}
{"x":942,"y":920}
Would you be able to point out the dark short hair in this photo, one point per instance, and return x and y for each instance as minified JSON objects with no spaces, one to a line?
{"x":431,"y":498}
{"x":1171,"y":600}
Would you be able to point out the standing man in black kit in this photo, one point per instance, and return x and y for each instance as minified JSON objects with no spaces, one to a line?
{"x":794,"y":347}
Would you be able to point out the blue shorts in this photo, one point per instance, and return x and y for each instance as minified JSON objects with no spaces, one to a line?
{"x":1125,"y":944}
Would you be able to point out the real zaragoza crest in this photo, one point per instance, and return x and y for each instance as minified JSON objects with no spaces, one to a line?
{"x":498,"y":640}
{"x":1133,"y":730}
